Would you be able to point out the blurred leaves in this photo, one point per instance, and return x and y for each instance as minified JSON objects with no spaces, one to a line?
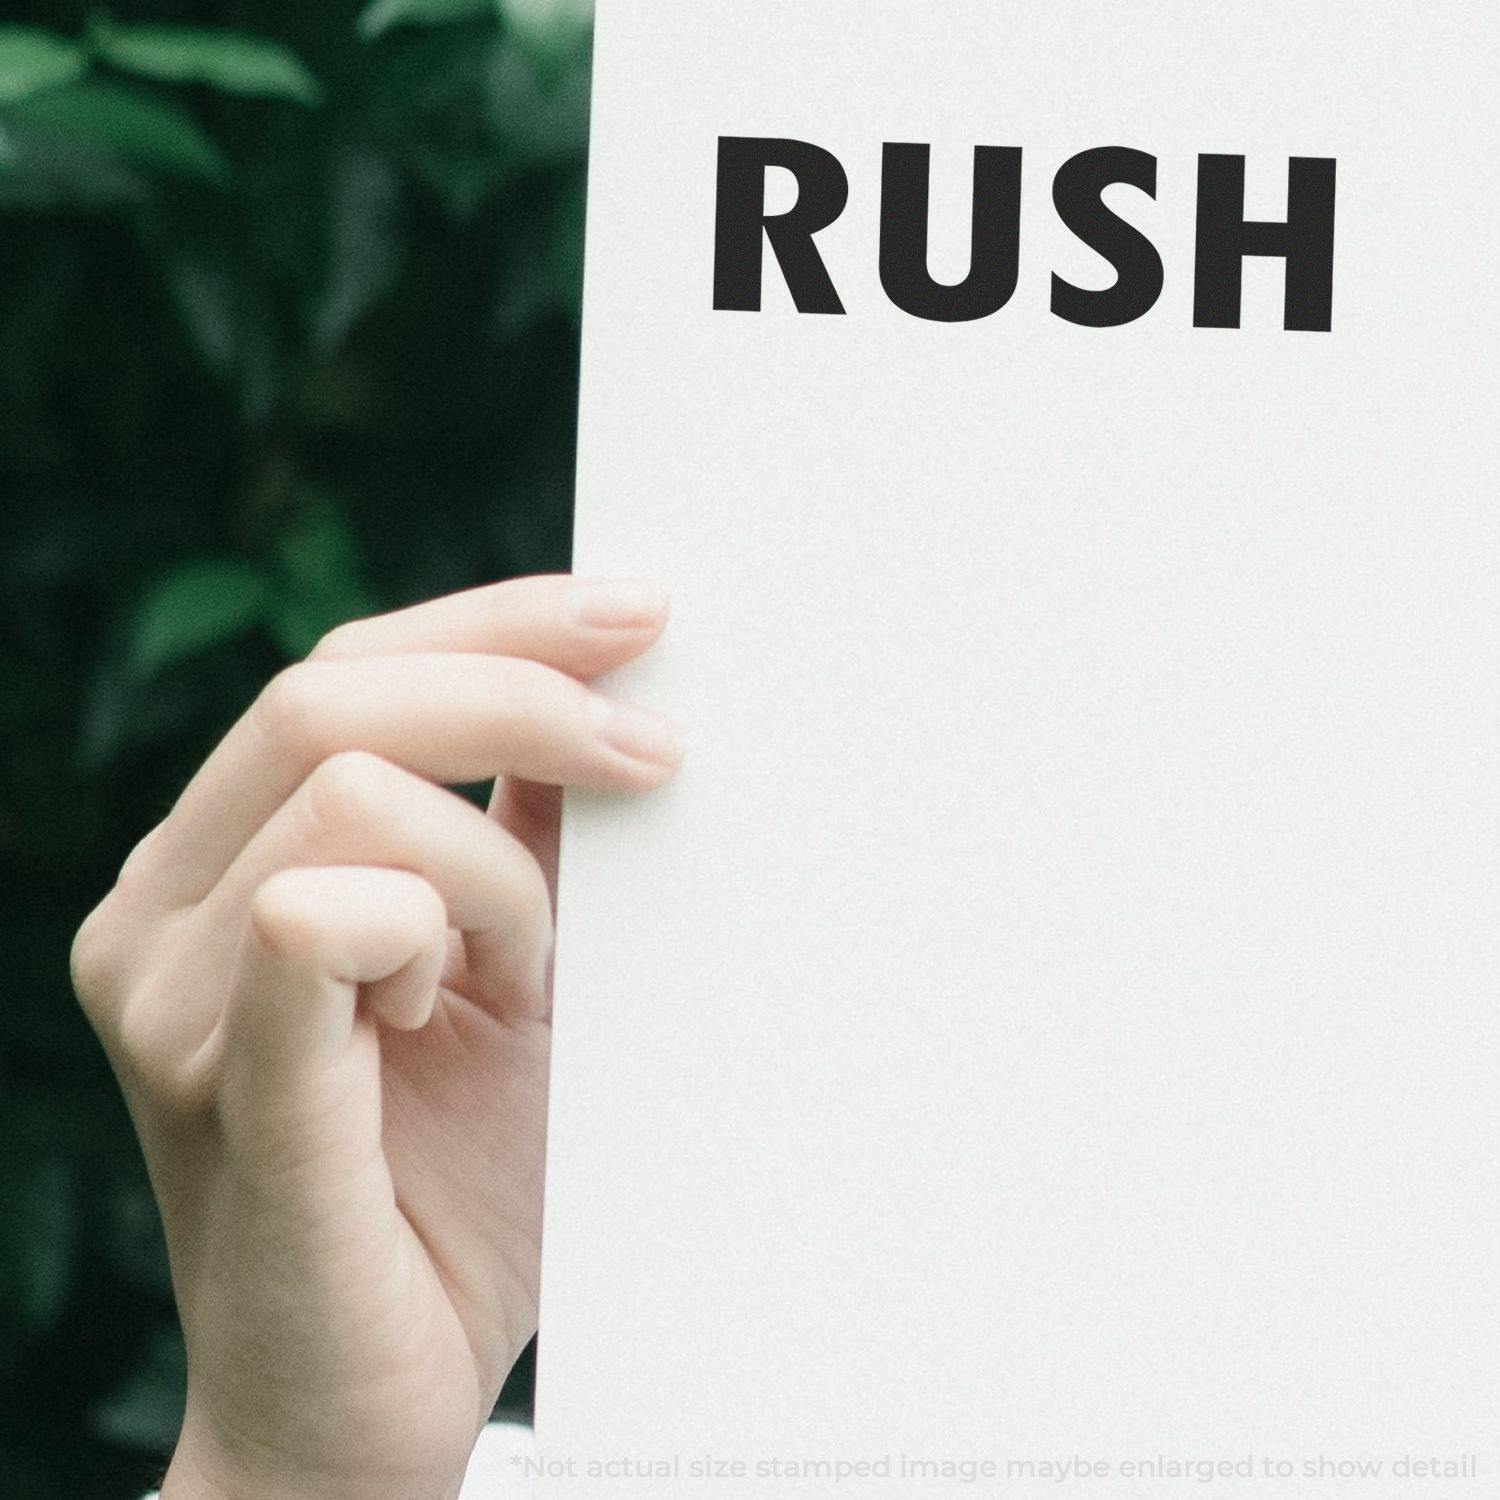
{"x":317,"y":583}
{"x":198,"y":605}
{"x":227,"y":313}
{"x":307,"y":582}
{"x":311,"y":586}
{"x":32,"y":60}
{"x":364,"y":244}
{"x":137,"y":127}
{"x":43,"y":84}
{"x":384,"y":15}
{"x":227,"y":60}
{"x":550,"y":26}
{"x":41,"y":172}
{"x":288,"y":334}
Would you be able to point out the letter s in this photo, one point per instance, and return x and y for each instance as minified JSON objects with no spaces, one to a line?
{"x":1077,"y":192}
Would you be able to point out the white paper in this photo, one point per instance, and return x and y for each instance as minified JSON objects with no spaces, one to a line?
{"x":1053,"y":1016}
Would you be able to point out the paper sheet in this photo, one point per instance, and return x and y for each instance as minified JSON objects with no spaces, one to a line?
{"x":1045,"y":1042}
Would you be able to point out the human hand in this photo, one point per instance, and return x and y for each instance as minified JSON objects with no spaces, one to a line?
{"x":324,"y":983}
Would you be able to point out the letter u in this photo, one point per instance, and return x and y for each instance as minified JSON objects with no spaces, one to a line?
{"x":995,"y":256}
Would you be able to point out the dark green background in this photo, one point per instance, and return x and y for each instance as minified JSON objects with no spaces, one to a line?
{"x":288,"y":332}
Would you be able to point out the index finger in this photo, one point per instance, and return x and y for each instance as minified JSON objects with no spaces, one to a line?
{"x":447,"y":717}
{"x":584,"y":627}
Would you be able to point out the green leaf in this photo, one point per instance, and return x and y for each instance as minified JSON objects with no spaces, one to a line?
{"x":32,"y":60}
{"x":227,"y":60}
{"x":193,"y":608}
{"x":39,"y":173}
{"x":382,"y":16}
{"x":537,"y":105}
{"x":138,"y":126}
{"x":364,"y":245}
{"x":319,"y":584}
{"x":549,"y":27}
{"x":226,"y":308}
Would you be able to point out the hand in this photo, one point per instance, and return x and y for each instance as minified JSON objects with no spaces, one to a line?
{"x":324,"y":982}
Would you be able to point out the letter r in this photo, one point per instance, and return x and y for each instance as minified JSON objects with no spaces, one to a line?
{"x":743,"y":226}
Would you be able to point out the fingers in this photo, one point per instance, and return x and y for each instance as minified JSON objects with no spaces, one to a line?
{"x":356,"y":809}
{"x":584,"y":627}
{"x":533,"y":813}
{"x":451,"y":718}
{"x":313,"y":937}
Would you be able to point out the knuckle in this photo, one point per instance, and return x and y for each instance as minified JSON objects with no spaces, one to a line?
{"x":288,"y":712}
{"x":115,"y":930}
{"x":339,"y":644}
{"x":348,"y":788}
{"x":135,"y":1045}
{"x":283,"y":918}
{"x":542,"y":699}
{"x":429,"y":911}
{"x":139,"y":869}
{"x":148,"y":1055}
{"x":92,"y":960}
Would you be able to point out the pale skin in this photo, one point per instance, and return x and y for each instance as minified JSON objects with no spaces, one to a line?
{"x":324,"y":983}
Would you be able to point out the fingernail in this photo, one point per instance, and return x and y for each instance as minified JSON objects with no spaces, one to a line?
{"x":617,"y":603}
{"x":638,"y":732}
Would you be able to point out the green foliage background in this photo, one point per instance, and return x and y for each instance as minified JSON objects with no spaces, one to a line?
{"x":288,"y":325}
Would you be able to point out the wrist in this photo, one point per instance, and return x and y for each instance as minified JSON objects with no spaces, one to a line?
{"x":203,"y":1469}
{"x":192,"y":1476}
